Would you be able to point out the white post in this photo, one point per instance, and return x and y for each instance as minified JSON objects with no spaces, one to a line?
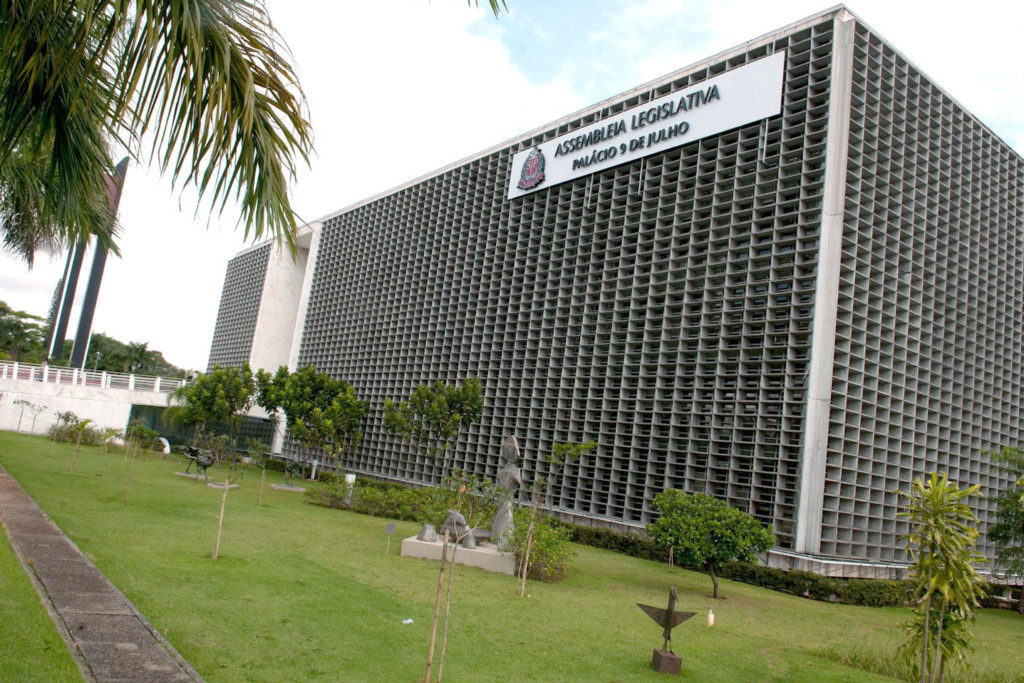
{"x":156,"y":385}
{"x":131,"y":382}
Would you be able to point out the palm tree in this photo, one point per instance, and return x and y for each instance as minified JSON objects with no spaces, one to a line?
{"x":136,"y":356}
{"x":205,"y":86}
{"x":943,"y":530}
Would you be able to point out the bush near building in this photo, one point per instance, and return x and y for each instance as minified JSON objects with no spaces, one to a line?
{"x":394,"y":501}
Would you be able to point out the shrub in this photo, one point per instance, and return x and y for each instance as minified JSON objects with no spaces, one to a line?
{"x":632,"y":544}
{"x":385,"y":500}
{"x":876,"y":593}
{"x":328,"y":494}
{"x":550,"y":553}
{"x":554,"y":554}
{"x":68,"y":433}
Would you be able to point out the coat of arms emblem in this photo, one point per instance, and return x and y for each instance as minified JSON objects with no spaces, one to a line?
{"x":533,"y":170}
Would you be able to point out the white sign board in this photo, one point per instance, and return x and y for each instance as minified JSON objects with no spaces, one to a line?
{"x":744,"y":94}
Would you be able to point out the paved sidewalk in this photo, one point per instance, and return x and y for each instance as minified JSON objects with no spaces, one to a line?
{"x":108,"y":637}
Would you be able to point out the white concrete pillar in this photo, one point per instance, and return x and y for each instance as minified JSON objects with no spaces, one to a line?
{"x":826,"y":306}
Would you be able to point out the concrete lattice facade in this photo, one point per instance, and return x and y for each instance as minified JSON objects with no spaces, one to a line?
{"x":239,"y":307}
{"x":798,"y":315}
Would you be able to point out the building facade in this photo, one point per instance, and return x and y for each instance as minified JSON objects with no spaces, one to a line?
{"x":790,"y":276}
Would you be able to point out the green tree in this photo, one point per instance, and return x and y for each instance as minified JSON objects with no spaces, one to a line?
{"x":136,"y":357}
{"x":22,"y":336}
{"x":259,"y":454}
{"x":36,"y":410}
{"x":706,"y":532}
{"x":222,"y":396}
{"x":206,"y":84}
{"x":23,"y":404}
{"x":561,"y":455}
{"x":80,"y":427}
{"x":433,"y":417}
{"x":107,"y":354}
{"x":322,"y":413}
{"x":941,"y":543}
{"x":342,"y":423}
{"x":64,"y":420}
{"x":1008,"y":531}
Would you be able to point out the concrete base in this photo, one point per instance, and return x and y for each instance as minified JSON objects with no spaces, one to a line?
{"x":220,"y":485}
{"x":666,"y":662}
{"x":282,"y":487}
{"x":189,"y":475}
{"x":485,"y":556}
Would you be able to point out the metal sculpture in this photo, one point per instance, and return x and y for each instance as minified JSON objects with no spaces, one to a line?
{"x":202,"y":459}
{"x":667,"y":618}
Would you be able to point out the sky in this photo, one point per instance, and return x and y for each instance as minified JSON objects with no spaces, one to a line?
{"x":398,"y":89}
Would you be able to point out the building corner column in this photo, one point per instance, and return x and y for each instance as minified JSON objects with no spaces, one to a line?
{"x":820,"y":366}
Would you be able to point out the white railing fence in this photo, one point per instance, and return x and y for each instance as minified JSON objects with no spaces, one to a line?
{"x":88,"y":378}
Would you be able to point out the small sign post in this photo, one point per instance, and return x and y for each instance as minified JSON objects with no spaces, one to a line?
{"x":390,"y":531}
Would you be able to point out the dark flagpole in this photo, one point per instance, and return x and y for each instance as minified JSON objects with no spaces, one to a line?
{"x":99,"y":261}
{"x":61,"y":317}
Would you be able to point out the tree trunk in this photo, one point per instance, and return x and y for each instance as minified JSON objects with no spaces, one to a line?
{"x":447,"y":611}
{"x":526,"y":554}
{"x":74,"y":457}
{"x":714,"y":579}
{"x":437,"y":607}
{"x":927,"y":638}
{"x":131,"y":471}
{"x":938,"y":642}
{"x":220,"y":522}
{"x":263,"y":478}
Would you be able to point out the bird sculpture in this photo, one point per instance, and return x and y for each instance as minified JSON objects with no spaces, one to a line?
{"x":667,"y":618}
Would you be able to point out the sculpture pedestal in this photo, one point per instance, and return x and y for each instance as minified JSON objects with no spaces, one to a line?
{"x":484,"y":556}
{"x":666,"y":662}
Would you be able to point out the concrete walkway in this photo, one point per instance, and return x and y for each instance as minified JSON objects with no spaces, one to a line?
{"x":108,"y":637}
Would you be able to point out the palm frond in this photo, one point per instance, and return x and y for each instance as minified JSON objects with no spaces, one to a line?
{"x":225,"y":108}
{"x":209,"y":80}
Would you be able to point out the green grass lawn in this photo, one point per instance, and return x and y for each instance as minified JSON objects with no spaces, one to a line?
{"x":30,"y":647}
{"x":301,"y":592}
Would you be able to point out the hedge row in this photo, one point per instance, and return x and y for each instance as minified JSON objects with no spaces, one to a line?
{"x":431,"y":504}
{"x":381,"y":499}
{"x":550,"y":555}
{"x":866,"y":592}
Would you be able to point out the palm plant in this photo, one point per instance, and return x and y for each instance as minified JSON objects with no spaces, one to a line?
{"x":941,"y":542}
{"x":204,"y":87}
{"x":136,"y":356}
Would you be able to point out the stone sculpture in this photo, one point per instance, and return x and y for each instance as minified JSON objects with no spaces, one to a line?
{"x":509,"y":479}
{"x":458,"y":530}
